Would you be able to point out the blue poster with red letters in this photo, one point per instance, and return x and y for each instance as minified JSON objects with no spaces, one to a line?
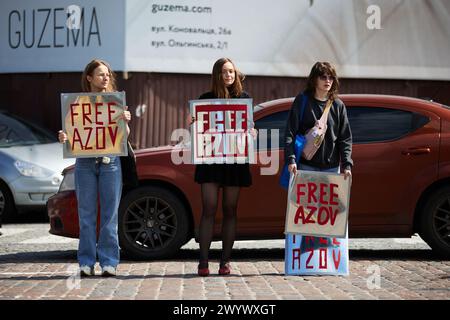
{"x":308,"y":255}
{"x":317,"y":224}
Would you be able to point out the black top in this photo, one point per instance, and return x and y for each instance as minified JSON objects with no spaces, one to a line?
{"x":224,"y":174}
{"x":211,"y":95}
{"x":336,"y":148}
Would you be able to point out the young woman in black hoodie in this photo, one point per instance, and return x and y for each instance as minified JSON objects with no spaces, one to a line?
{"x":335,"y":151}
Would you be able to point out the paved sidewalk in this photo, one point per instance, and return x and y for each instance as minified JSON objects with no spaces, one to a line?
{"x":37,"y":266}
{"x":252,"y":279}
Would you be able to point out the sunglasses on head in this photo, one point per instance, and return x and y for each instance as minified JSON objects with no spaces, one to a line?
{"x":324,"y":78}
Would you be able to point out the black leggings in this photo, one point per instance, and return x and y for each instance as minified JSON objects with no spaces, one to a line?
{"x":210,"y":197}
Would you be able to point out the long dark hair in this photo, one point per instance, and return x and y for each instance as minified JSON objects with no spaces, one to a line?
{"x":321,"y":69}
{"x":89,"y":69}
{"x":218,"y":86}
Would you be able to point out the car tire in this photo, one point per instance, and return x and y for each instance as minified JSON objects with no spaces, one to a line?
{"x":7,"y":207}
{"x":435,"y":222}
{"x":153,"y":223}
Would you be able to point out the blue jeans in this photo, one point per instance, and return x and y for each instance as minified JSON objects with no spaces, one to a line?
{"x":309,"y":168}
{"x":96,"y":180}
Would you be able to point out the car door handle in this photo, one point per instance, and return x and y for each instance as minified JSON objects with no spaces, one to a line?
{"x":416,"y":151}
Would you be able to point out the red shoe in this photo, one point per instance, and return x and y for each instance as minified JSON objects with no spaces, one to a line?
{"x":203,"y":270}
{"x":225,"y":269}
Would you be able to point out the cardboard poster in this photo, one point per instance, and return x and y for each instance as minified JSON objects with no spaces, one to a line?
{"x":220,"y":131}
{"x":94,"y":125}
{"x":318,"y":204}
{"x":306,"y":255}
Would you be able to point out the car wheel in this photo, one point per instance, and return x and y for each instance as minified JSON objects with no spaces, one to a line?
{"x":435,"y":222}
{"x":7,"y":207}
{"x":153,"y":223}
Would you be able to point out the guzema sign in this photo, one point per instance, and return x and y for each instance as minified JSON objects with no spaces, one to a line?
{"x":220,"y":132}
{"x":94,"y":125}
{"x":363,"y":39}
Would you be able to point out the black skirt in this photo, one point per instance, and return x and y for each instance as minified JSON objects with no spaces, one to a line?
{"x":229,"y":175}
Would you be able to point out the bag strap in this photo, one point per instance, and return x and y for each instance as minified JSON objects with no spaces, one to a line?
{"x":303,"y":106}
{"x":324,"y":117}
{"x":304,"y":103}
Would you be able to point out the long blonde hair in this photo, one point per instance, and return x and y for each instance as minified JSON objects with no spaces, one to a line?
{"x":89,"y":69}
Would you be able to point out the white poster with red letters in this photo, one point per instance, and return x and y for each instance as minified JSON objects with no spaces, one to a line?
{"x":306,"y":255}
{"x":220,"y":132}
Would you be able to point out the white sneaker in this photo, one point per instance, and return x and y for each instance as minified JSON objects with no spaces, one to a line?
{"x":108,"y":271}
{"x":86,"y":271}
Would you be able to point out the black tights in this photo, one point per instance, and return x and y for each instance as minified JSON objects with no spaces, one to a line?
{"x":210,"y":197}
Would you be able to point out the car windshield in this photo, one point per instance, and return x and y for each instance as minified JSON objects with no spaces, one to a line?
{"x":18,"y":132}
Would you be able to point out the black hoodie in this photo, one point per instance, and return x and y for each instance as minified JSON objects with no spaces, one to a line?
{"x":336,"y":149}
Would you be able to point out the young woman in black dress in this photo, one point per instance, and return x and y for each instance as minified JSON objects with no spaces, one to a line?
{"x":226,"y":83}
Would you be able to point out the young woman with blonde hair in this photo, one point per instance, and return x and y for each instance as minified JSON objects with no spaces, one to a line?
{"x":226,"y":82}
{"x":97,"y":178}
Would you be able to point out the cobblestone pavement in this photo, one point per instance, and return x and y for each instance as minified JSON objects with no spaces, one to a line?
{"x":36,"y":265}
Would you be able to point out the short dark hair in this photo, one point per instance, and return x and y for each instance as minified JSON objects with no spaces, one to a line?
{"x":321,"y":69}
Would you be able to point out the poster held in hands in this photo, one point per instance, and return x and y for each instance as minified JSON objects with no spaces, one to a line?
{"x":94,"y":124}
{"x":220,"y":132}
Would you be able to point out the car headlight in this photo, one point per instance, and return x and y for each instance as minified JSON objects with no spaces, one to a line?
{"x":68,"y":183}
{"x":28,"y":169}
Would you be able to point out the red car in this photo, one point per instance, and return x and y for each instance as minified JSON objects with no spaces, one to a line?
{"x":401,"y":182}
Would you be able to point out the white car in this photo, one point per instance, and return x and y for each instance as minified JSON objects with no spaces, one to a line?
{"x":31,"y":163}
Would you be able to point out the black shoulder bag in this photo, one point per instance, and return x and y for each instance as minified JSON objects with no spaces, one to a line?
{"x":129,"y":171}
